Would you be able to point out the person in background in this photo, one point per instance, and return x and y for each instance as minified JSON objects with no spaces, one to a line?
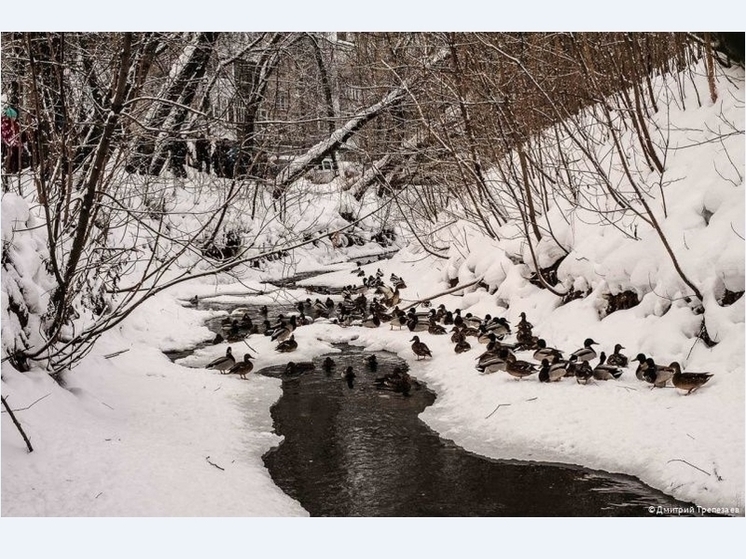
{"x":11,"y":141}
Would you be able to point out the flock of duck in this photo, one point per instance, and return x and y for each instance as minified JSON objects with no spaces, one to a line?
{"x":356,"y":310}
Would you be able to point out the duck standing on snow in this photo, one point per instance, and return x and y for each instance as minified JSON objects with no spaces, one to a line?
{"x":519,"y":369}
{"x":223,"y":363}
{"x":583,"y":372}
{"x":586,"y":353}
{"x":604,"y":371}
{"x":242,"y":368}
{"x":461,"y":345}
{"x":545,"y":352}
{"x":641,"y":366}
{"x":657,"y":375}
{"x":618,"y":359}
{"x":420,"y":349}
{"x":688,"y":381}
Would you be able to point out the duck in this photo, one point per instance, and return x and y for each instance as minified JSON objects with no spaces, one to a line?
{"x":218,"y":339}
{"x":555,"y":369}
{"x":397,"y":381}
{"x":688,"y":381}
{"x":498,"y":326}
{"x":583,"y":372}
{"x":545,"y":352}
{"x":448,"y":318}
{"x":493,"y":362}
{"x":618,"y":359}
{"x":194,"y":301}
{"x":519,"y":369}
{"x":586,"y":353}
{"x":657,"y":375}
{"x":242,"y":368}
{"x":223,"y":363}
{"x":420,"y":349}
{"x":641,"y":366}
{"x":461,"y":346}
{"x":399,"y":320}
{"x":458,"y":320}
{"x":284,"y":330}
{"x":264,"y":311}
{"x":349,"y":376}
{"x":288,"y":345}
{"x":472,"y":321}
{"x":328,"y":365}
{"x":604,"y":371}
{"x":434,"y":328}
{"x":293,"y":368}
{"x":415,"y":325}
{"x":372,"y":322}
{"x":372,"y":362}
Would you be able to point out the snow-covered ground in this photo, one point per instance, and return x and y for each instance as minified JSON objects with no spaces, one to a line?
{"x":137,"y":435}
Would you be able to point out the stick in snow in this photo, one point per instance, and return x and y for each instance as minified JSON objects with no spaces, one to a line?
{"x":18,"y":425}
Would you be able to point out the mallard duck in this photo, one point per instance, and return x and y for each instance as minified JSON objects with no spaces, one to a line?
{"x":223,"y":363}
{"x":328,"y":365}
{"x":461,"y":346}
{"x":349,"y":376}
{"x":288,"y":345}
{"x":434,"y":328}
{"x":604,"y":371}
{"x":492,"y":362}
{"x":283,"y":330}
{"x":618,"y":359}
{"x":399,"y":320}
{"x":544,"y":371}
{"x":545,"y":352}
{"x":688,"y":381}
{"x":218,"y":339}
{"x":419,"y":348}
{"x":264,"y":311}
{"x":194,"y":300}
{"x":372,"y":362}
{"x":586,"y":353}
{"x":242,"y":368}
{"x":583,"y":372}
{"x":372,"y":322}
{"x":518,"y":368}
{"x":523,"y":324}
{"x":557,"y":369}
{"x":293,"y":368}
{"x":458,"y":320}
{"x":641,"y":366}
{"x":415,"y":325}
{"x":472,"y":321}
{"x":657,"y":375}
{"x":397,"y":282}
{"x":448,"y":318}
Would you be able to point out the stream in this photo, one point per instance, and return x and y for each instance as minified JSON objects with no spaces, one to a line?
{"x":352,"y":449}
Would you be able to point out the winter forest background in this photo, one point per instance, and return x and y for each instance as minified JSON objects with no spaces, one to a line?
{"x":516,"y":164}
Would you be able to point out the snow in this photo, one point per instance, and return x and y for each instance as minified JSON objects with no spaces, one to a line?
{"x":134,"y":435}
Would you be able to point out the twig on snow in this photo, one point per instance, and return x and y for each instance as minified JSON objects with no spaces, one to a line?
{"x":497,"y":408}
{"x":110,"y":355}
{"x":688,"y":464}
{"x":213,"y":463}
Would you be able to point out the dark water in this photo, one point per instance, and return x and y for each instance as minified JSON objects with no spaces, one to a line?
{"x":364,"y":452}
